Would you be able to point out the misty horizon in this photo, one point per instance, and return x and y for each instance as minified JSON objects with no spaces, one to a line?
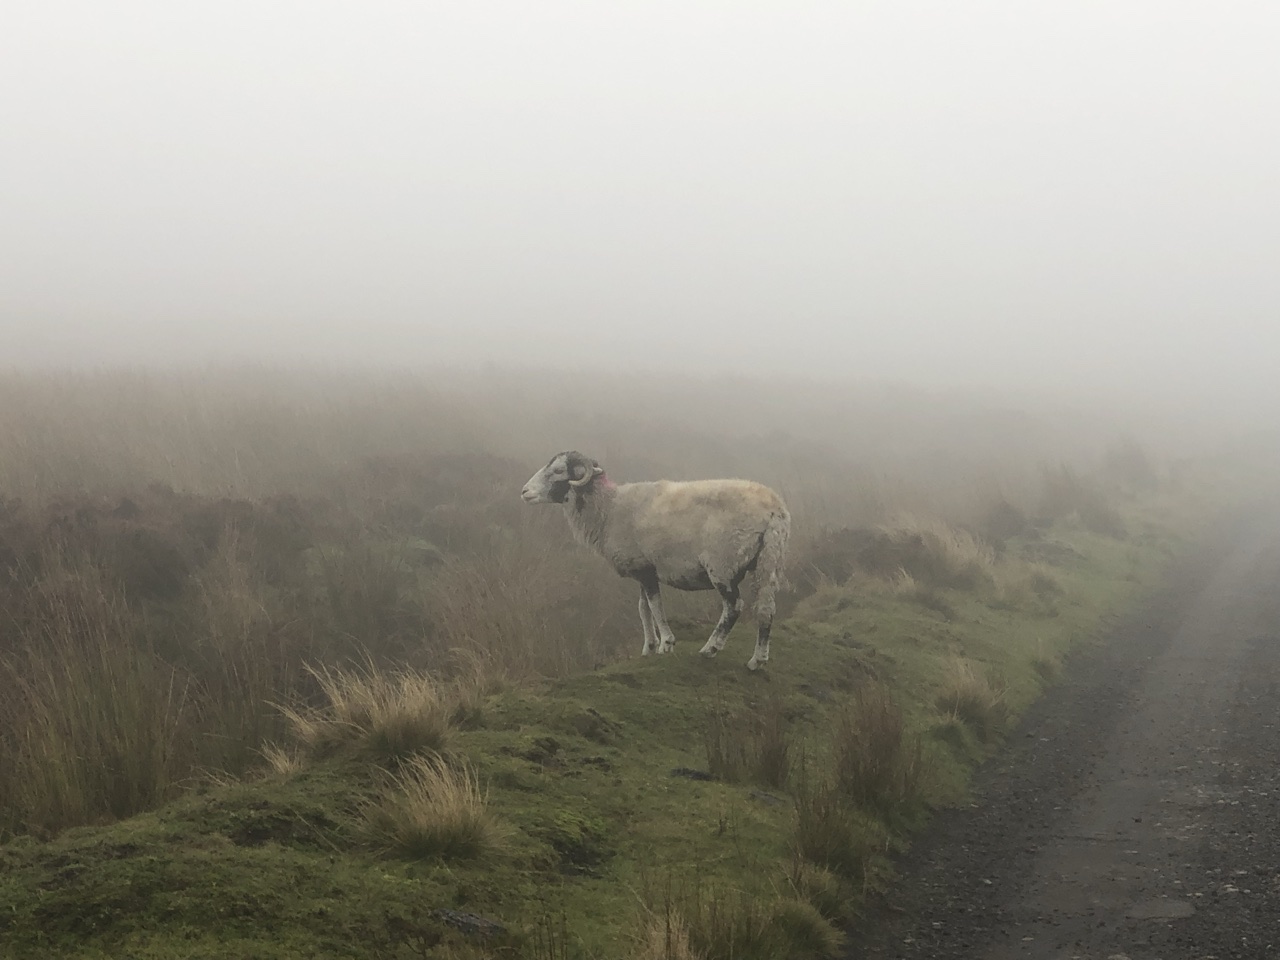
{"x":1078,"y":200}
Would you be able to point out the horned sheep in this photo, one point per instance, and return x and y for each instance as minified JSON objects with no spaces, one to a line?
{"x":691,"y":535}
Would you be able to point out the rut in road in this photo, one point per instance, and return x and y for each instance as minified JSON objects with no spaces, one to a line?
{"x":1136,"y":812}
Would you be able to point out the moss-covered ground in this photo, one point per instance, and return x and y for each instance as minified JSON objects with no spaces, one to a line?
{"x":597,"y":780}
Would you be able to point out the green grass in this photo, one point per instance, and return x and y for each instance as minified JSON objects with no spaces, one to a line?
{"x":595,"y":829}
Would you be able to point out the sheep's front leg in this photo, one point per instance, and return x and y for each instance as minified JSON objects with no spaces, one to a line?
{"x":666,"y":639}
{"x":646,"y":620}
{"x":732,"y":609}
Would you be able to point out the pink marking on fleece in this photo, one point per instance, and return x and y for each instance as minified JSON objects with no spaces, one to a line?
{"x":605,"y":482}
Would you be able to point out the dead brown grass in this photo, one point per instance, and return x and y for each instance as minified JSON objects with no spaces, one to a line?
{"x":389,"y":713}
{"x":434,"y":811}
{"x":937,"y":553}
{"x":707,"y":924}
{"x":969,"y":695}
{"x":283,"y":761}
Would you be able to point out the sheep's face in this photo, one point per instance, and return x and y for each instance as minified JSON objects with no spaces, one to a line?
{"x":558,"y":479}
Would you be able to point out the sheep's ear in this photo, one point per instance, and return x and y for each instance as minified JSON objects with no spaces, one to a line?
{"x":596,"y":469}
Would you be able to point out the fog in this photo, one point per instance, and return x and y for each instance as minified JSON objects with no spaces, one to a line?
{"x":1072,"y":197}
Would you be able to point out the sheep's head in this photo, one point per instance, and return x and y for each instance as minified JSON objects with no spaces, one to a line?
{"x":564,"y":473}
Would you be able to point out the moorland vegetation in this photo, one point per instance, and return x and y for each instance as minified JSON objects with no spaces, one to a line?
{"x":289,"y":670}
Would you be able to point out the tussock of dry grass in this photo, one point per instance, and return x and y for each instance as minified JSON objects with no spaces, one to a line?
{"x":971,"y":697}
{"x":434,"y":811}
{"x":732,"y":925}
{"x":283,"y":761}
{"x":903,"y":583}
{"x":475,"y":679}
{"x":389,"y":713}
{"x":912,"y":555}
{"x":937,"y":553}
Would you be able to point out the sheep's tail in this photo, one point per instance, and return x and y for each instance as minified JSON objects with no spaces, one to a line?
{"x":770,"y":563}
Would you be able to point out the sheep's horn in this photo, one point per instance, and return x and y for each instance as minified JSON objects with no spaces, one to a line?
{"x":586,"y":477}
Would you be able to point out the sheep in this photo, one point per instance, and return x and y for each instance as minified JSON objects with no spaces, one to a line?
{"x":692,"y":535}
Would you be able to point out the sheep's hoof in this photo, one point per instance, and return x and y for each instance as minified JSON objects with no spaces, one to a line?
{"x":666,"y":648}
{"x":708,"y":652}
{"x":754,"y":664}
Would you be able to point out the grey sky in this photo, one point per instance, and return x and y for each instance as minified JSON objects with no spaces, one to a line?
{"x":1015,"y":193}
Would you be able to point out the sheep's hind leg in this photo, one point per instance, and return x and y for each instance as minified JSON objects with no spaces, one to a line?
{"x":667,"y":639}
{"x":761,"y":656}
{"x":764,"y":617}
{"x":646,"y":620}
{"x":732,"y":609}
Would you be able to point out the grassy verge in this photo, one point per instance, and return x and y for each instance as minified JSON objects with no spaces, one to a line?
{"x":665,"y":807}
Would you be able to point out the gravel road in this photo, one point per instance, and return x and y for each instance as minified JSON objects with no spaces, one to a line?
{"x":1135,"y":814}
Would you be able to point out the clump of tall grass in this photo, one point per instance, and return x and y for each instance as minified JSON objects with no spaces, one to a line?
{"x":733,"y":925}
{"x":830,"y":894}
{"x":665,"y":936}
{"x":434,"y":811}
{"x":936,"y":553}
{"x":389,"y":713}
{"x":236,"y":651}
{"x":807,"y":932}
{"x":528,"y":604}
{"x":96,"y":726}
{"x":877,"y":762}
{"x":474,"y":678}
{"x":915,"y":555}
{"x":832,"y":832}
{"x":875,"y":775}
{"x":750,"y":744}
{"x":971,"y":697}
{"x":283,"y":761}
